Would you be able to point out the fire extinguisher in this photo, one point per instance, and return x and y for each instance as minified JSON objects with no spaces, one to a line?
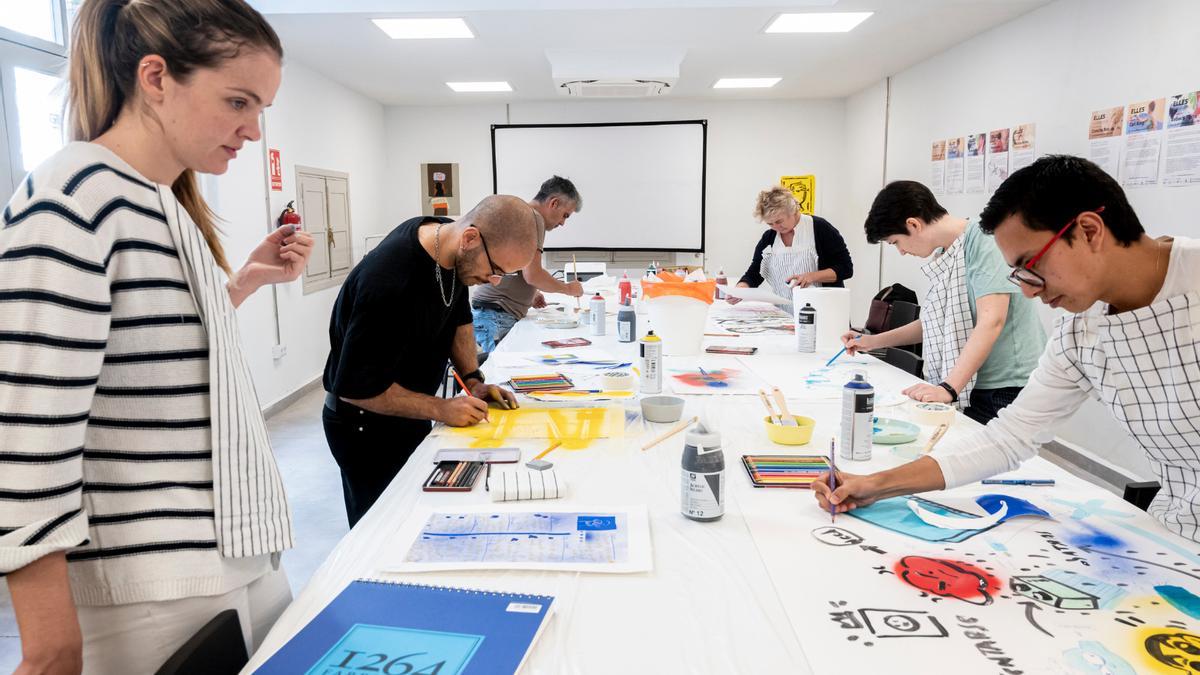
{"x":289,"y":216}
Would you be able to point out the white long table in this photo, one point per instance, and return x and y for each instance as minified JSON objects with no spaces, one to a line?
{"x":755,"y":592}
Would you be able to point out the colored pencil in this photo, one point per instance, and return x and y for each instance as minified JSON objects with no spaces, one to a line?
{"x":548,"y":450}
{"x":464,"y":388}
{"x":678,"y":428}
{"x":1019,"y":481}
{"x":835,"y":356}
{"x":832,"y":480}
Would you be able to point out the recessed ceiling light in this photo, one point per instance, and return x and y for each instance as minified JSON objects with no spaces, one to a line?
{"x":746,"y":82}
{"x":424,"y":29}
{"x":479,"y":86}
{"x":828,"y":22}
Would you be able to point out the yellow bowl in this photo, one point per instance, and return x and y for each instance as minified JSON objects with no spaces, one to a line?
{"x":784,"y":435}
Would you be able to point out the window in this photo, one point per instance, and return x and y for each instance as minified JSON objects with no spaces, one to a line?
{"x":323,"y":200}
{"x":35,"y":18}
{"x":39,"y":115}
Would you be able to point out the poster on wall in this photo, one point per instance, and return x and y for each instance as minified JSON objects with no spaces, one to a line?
{"x":1183,"y":140}
{"x":1024,"y":146}
{"x":975,"y":169}
{"x":1104,"y":139}
{"x":955,"y":149}
{"x":439,"y":189}
{"x":804,"y":189}
{"x":276,"y":168}
{"x":997,"y":158}
{"x":1143,"y":141}
{"x":937,"y":171}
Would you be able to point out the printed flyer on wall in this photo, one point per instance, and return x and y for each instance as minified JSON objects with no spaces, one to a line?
{"x":937,"y":171}
{"x":955,"y":150}
{"x":997,"y":158}
{"x":1024,"y":144}
{"x":1104,"y":139}
{"x":1182,"y":164}
{"x":1143,"y":141}
{"x":976,"y":170}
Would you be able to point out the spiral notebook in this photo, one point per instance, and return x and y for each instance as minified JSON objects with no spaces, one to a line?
{"x":392,"y":627}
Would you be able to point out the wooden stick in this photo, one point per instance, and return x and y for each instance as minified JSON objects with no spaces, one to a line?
{"x":678,"y":428}
{"x":548,"y":450}
{"x":933,"y":440}
{"x":728,"y":335}
{"x":786,"y":420}
{"x":767,"y":404}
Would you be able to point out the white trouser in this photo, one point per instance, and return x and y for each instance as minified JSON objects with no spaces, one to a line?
{"x":138,"y":638}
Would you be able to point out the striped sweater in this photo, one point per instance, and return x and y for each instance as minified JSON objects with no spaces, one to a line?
{"x":106,"y":446}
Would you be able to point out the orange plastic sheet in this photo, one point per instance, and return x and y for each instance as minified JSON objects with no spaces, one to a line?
{"x":700,"y":290}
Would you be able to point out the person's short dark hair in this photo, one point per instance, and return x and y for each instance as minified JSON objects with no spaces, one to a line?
{"x":560,"y":187}
{"x":1052,"y":191}
{"x":895,"y":204}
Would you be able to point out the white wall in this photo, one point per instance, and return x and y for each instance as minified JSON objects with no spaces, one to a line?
{"x":750,"y":145}
{"x":1053,"y":67}
{"x":314,"y":122}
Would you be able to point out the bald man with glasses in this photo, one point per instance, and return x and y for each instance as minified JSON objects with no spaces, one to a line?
{"x":1131,"y":340}
{"x":403,"y":311}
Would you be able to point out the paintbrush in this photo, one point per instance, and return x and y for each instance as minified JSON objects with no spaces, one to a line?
{"x":678,"y":428}
{"x":770,"y":410}
{"x":837,"y":355}
{"x":933,"y":440}
{"x":575,"y":264}
{"x":785,"y":418}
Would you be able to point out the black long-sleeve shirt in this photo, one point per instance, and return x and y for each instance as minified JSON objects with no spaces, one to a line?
{"x":831,"y":254}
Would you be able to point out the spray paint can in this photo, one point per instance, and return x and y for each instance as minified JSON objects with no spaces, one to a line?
{"x":651,"y":353}
{"x":624,"y":290}
{"x":703,"y":476}
{"x":598,"y":318}
{"x":626,"y":323}
{"x":858,"y":418}
{"x":806,"y":329}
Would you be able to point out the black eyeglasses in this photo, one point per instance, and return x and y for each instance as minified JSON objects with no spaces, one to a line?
{"x":1025,"y":274}
{"x":497,"y":274}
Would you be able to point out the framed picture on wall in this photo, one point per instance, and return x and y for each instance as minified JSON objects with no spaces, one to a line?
{"x":439,"y":189}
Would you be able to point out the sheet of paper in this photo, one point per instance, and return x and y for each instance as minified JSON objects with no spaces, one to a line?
{"x":997,"y":158}
{"x":1104,"y":139}
{"x":976,"y":170}
{"x":937,"y":168}
{"x":956,"y":149}
{"x":1182,"y":164}
{"x":1024,"y":146}
{"x":760,"y":294}
{"x":711,"y":375}
{"x":514,"y":536}
{"x":1143,"y":142}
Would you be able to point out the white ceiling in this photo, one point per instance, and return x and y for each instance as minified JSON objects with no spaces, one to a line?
{"x":721,"y":38}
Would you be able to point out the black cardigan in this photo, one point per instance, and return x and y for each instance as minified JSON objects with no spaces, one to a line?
{"x":831,"y":254}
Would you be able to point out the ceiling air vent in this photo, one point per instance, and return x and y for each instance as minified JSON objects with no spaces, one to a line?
{"x":613,"y":88}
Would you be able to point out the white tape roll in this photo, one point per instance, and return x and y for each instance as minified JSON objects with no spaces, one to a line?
{"x":618,"y":380}
{"x":932,"y":414}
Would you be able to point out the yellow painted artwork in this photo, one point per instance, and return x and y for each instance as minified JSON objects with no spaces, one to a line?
{"x":575,"y":427}
{"x":804,"y":189}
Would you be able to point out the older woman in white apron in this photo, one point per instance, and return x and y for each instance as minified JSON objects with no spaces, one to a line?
{"x":798,"y":250}
{"x":1133,"y":343}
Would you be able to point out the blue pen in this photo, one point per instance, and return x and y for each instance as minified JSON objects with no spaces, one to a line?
{"x":1018,"y":481}
{"x":835,"y":356}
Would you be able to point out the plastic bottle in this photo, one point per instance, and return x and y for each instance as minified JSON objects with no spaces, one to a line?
{"x":858,"y":418}
{"x":626,"y":323}
{"x":651,"y":357}
{"x":599,"y":320}
{"x":806,"y":329}
{"x":722,"y":280}
{"x":702,"y":476}
{"x":624,"y":290}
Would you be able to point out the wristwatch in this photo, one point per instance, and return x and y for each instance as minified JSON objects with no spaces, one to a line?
{"x":476,"y":374}
{"x":953,"y":394}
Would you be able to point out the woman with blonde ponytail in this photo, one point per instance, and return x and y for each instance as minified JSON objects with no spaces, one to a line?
{"x":138,"y":493}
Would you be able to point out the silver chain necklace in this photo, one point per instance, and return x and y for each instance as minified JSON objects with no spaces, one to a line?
{"x":437,"y":268}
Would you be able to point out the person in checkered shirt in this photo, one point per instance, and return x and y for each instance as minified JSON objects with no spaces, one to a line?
{"x":1128,"y":340}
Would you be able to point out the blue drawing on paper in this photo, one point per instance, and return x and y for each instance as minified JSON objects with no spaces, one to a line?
{"x":522,"y":537}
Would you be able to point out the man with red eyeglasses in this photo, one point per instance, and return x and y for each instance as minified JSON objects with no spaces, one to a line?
{"x":1130,"y":341}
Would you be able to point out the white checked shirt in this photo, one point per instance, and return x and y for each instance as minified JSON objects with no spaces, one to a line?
{"x":1143,"y":365}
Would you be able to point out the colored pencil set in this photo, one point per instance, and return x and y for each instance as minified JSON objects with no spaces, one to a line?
{"x":784,"y":471}
{"x":551,"y":382}
{"x":451,"y":476}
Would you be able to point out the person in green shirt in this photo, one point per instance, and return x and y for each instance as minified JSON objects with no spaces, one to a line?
{"x":980,"y":337}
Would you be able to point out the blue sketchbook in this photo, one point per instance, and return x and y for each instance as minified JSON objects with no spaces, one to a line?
{"x":388,"y":627}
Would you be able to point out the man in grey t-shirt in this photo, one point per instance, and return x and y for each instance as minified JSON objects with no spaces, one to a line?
{"x":497,"y":308}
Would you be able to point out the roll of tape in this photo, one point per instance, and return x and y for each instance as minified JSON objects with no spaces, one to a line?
{"x":932,"y":414}
{"x":618,"y":380}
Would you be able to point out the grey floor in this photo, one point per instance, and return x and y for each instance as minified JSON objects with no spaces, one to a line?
{"x":314,"y":490}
